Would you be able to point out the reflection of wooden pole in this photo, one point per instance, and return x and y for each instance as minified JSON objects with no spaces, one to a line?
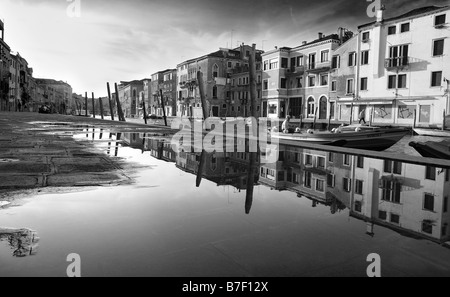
{"x":119,"y":106}
{"x":93,"y":105}
{"x":443,"y":120}
{"x":301,"y":115}
{"x":329,"y":121}
{"x":163,"y":107}
{"x":414,"y":118}
{"x":110,"y":102}
{"x":101,"y":107}
{"x":86,"y":103}
{"x":250,"y":183}
{"x":145,"y":111}
{"x":201,"y":168}
{"x":119,"y":135}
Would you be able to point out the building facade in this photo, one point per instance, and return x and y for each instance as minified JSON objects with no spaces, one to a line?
{"x":129,"y":97}
{"x":403,"y":68}
{"x":5,"y":58}
{"x":58,"y":94}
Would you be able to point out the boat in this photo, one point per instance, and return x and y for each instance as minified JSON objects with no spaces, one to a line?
{"x":432,"y":149}
{"x":352,"y":136}
{"x":432,"y":132}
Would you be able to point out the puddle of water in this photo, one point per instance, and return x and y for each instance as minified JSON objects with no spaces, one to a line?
{"x":307,"y":214}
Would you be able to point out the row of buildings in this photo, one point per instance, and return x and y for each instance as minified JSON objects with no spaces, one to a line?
{"x":409,"y":198}
{"x":19,"y":90}
{"x":396,"y":70}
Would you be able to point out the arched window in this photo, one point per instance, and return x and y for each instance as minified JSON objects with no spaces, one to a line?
{"x":311,"y":107}
{"x":215,"y":70}
{"x":323,"y":108}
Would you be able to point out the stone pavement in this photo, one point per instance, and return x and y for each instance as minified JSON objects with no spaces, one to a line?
{"x":38,"y":150}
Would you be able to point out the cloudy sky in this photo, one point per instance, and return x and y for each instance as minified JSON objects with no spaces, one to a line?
{"x":116,"y":40}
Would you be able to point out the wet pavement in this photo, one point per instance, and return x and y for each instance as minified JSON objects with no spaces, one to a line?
{"x":117,"y":195}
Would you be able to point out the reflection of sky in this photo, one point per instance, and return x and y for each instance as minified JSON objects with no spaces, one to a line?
{"x":164,"y":226}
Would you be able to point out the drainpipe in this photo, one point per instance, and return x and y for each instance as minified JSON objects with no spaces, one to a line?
{"x":358,"y":59}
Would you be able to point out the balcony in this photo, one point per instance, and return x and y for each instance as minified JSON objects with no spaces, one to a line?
{"x":293,"y":71}
{"x":396,"y":63}
{"x":318,"y":67}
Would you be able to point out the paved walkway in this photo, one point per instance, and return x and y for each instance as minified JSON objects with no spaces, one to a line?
{"x":38,"y":150}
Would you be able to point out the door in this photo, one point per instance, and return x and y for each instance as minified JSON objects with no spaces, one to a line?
{"x":215,"y":111}
{"x":323,"y":108}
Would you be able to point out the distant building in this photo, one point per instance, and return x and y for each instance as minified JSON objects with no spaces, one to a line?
{"x":4,"y":70}
{"x":57,"y":93}
{"x":162,"y":80}
{"x":216,"y":69}
{"x":129,"y":97}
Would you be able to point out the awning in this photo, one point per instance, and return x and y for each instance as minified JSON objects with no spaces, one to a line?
{"x":349,"y":101}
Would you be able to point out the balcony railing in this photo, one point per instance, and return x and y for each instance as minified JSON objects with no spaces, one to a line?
{"x":397,"y":62}
{"x":318,"y":67}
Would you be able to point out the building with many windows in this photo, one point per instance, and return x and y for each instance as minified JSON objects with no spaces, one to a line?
{"x":5,"y":57}
{"x":403,"y":68}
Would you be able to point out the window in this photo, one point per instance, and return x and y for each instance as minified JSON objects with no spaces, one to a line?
{"x":266,"y":65}
{"x":427,"y":227}
{"x":359,"y":187}
{"x":404,"y":27}
{"x":351,"y":59}
{"x":333,"y":86}
{"x":347,"y":160}
{"x":364,"y":57}
{"x":392,"y":30}
{"x":283,"y":83}
{"x":398,"y":55}
{"x":215,"y":70}
{"x":321,"y":162}
{"x":335,"y":62}
{"x":300,"y":61}
{"x":293,"y":64}
{"x":331,"y":180}
{"x":436,"y":78}
{"x":312,"y":61}
{"x":308,"y":179}
{"x":224,"y":106}
{"x":360,"y":162}
{"x":308,"y":160}
{"x":324,"y":56}
{"x":438,"y":47}
{"x":332,"y":109}
{"x":382,"y":215}
{"x":444,"y":230}
{"x":281,"y":176}
{"x":430,"y":173}
{"x":266,"y":85}
{"x":324,"y":80}
{"x":363,"y":83}
{"x":331,"y":157}
{"x":311,"y":107}
{"x":347,"y":184}
{"x":401,"y":81}
{"x":358,"y":206}
{"x":320,"y":185}
{"x":273,"y":64}
{"x":395,"y":218}
{"x":311,"y":81}
{"x":299,"y":82}
{"x":230,"y":65}
{"x":215,"y":92}
{"x":391,"y":191}
{"x":284,"y":62}
{"x":392,"y":82}
{"x":366,"y":36}
{"x":447,"y":175}
{"x":428,"y":202}
{"x":393,"y":167}
{"x":439,"y":20}
{"x":350,"y":88}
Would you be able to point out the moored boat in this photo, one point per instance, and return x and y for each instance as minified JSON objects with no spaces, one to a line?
{"x":432,"y":132}
{"x":431,"y":149}
{"x":353,"y":136}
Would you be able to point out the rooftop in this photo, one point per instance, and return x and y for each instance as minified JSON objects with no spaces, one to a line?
{"x":412,"y":13}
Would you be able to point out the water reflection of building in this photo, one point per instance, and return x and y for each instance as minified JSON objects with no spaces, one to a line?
{"x":404,"y":197}
{"x":24,"y":242}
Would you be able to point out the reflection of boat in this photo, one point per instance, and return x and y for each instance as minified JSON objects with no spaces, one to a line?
{"x":431,"y":149}
{"x":353,"y":136}
{"x":432,"y":132}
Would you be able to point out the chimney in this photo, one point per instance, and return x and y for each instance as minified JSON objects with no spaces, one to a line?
{"x":320,"y":35}
{"x":380,"y":14}
{"x":304,"y":42}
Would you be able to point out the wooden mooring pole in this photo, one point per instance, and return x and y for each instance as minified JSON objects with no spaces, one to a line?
{"x":119,"y":106}
{"x":111,"y":110}
{"x":163,"y":106}
{"x":93,"y":105}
